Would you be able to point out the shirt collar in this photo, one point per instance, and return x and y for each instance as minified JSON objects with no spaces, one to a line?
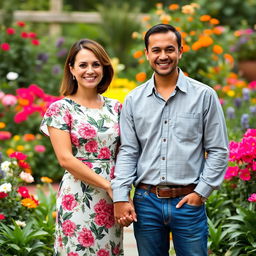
{"x":181,"y":84}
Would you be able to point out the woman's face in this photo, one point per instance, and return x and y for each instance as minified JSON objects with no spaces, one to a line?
{"x":87,"y":69}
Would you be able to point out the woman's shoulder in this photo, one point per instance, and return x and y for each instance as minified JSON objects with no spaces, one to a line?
{"x":111,"y":101}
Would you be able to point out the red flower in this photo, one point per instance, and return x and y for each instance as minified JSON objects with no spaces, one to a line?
{"x":3,"y":194}
{"x":104,"y":153}
{"x":21,"y":23}
{"x":32,"y":35}
{"x":18,"y":155}
{"x":10,"y":31}
{"x":2,"y":217}
{"x":102,"y":252}
{"x":5,"y":47}
{"x":91,"y":146}
{"x":23,"y":191}
{"x":35,"y":42}
{"x":24,"y":165}
{"x":24,"y":34}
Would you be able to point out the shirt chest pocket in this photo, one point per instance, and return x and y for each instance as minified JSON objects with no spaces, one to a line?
{"x":186,"y":127}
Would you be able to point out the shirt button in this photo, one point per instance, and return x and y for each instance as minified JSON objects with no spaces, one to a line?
{"x":164,"y":140}
{"x":163,"y":178}
{"x":163,"y":158}
{"x":165,"y":121}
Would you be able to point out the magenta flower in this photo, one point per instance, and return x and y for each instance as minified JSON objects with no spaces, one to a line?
{"x":252,"y":198}
{"x":40,"y":148}
{"x":18,"y":155}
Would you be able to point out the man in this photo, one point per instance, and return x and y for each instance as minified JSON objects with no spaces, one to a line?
{"x":174,"y":149}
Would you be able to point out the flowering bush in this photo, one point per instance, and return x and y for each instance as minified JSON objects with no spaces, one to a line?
{"x":242,"y":171}
{"x":244,"y":47}
{"x":203,"y":39}
{"x":16,"y":201}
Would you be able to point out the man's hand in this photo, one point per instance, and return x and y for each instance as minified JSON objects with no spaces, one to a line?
{"x":192,"y":199}
{"x":124,"y":213}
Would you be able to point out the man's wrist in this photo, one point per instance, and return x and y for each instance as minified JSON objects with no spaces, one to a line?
{"x":203,"y":199}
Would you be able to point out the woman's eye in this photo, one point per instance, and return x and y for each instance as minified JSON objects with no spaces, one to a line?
{"x":82,"y":65}
{"x":96,"y":64}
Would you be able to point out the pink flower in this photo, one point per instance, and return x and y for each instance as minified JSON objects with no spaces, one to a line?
{"x":91,"y":146}
{"x":18,"y":155}
{"x":69,"y":202}
{"x":32,"y":35}
{"x":252,"y":85}
{"x":53,"y":110}
{"x":10,"y":31}
{"x":74,"y":139}
{"x":68,"y":227}
{"x":59,"y":241}
{"x":27,"y":177}
{"x":116,"y":250}
{"x":252,"y":198}
{"x":245,"y":174}
{"x":3,"y":194}
{"x":40,"y":148}
{"x":85,"y":237}
{"x":2,"y":217}
{"x":5,"y":47}
{"x":4,"y":135}
{"x":68,"y":118}
{"x":1,"y":94}
{"x":20,"y":117}
{"x":102,"y":252}
{"x":254,"y":165}
{"x":9,"y":100}
{"x":117,"y":128}
{"x":232,"y":171}
{"x":73,"y":254}
{"x":87,"y":131}
{"x":23,"y":191}
{"x":118,"y":107}
{"x":104,"y":153}
{"x":112,"y":172}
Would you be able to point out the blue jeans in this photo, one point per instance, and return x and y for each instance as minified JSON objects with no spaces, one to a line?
{"x":158,"y":217}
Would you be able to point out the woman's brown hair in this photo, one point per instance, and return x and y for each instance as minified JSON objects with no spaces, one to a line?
{"x":69,"y":85}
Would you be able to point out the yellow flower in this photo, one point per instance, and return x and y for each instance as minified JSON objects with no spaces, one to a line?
{"x":29,"y":202}
{"x":20,"y":147}
{"x":16,"y":137}
{"x":46,"y":180}
{"x":9,"y":151}
{"x":2,"y":125}
{"x":231,"y":93}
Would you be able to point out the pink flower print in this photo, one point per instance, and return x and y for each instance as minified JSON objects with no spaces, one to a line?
{"x":118,"y":107}
{"x":104,"y":153}
{"x":252,"y":198}
{"x":102,"y":252}
{"x":73,"y":254}
{"x":245,"y":174}
{"x":91,"y":146}
{"x":117,"y":128}
{"x":89,"y":164}
{"x":87,"y":131}
{"x":53,"y":110}
{"x":59,"y":241}
{"x":104,"y":214}
{"x":116,"y":250}
{"x":112,"y":172}
{"x":85,"y":237}
{"x":68,"y":119}
{"x":69,"y":202}
{"x":74,"y":139}
{"x":68,"y":227}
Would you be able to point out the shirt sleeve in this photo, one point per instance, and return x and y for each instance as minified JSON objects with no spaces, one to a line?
{"x":216,"y":146}
{"x":57,"y":116}
{"x":125,"y":170}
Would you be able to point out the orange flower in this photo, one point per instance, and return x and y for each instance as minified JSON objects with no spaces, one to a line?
{"x":2,"y":125}
{"x":190,"y":18}
{"x":141,"y":61}
{"x":206,"y":41}
{"x":46,"y":180}
{"x":159,"y":5}
{"x":173,"y":7}
{"x":207,"y":32}
{"x":192,"y":33}
{"x":54,"y":214}
{"x":28,"y":137}
{"x":145,"y":18}
{"x":141,"y":77}
{"x":186,"y":48}
{"x":165,"y":19}
{"x":30,"y":202}
{"x":23,"y":102}
{"x":229,"y":58}
{"x":183,"y":34}
{"x":205,"y":17}
{"x":217,"y":31}
{"x":214,"y":21}
{"x":138,"y":54}
{"x":196,"y":46}
{"x":217,"y":49}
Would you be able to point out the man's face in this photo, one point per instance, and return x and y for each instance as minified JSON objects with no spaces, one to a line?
{"x":163,"y":53}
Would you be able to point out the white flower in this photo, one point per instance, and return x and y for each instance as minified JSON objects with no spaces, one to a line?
{"x":5,"y":166}
{"x":6,"y":187}
{"x":20,"y":223}
{"x":12,"y":76}
{"x":27,"y":177}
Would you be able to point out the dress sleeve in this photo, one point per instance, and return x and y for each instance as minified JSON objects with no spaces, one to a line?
{"x":57,"y":116}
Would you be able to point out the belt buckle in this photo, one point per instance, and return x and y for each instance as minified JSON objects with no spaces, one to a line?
{"x":157,"y":192}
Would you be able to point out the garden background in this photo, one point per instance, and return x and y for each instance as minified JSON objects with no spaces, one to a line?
{"x":219,"y":40}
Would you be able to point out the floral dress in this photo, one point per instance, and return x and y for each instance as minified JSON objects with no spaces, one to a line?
{"x":85,"y":222}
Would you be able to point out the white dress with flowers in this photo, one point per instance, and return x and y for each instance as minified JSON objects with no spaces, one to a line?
{"x":85,"y":222}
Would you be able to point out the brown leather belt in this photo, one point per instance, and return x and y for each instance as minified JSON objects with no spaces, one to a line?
{"x":165,"y":191}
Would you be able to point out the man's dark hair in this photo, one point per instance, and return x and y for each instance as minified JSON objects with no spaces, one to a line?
{"x":162,"y":28}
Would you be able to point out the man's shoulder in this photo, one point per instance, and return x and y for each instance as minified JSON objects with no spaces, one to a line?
{"x":139,"y":90}
{"x":199,"y":86}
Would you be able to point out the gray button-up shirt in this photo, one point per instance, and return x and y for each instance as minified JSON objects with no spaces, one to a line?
{"x":165,"y":142}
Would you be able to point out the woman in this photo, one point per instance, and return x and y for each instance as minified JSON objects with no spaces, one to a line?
{"x":84,"y":132}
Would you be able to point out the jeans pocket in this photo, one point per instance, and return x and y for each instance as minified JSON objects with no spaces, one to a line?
{"x":139,"y":195}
